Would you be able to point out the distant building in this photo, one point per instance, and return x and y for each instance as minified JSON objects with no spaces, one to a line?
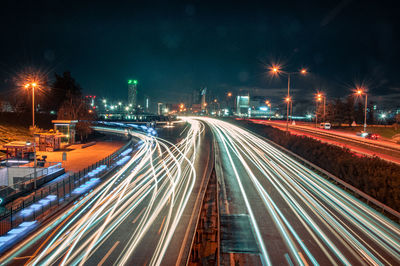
{"x":161,"y":109}
{"x":6,"y":107}
{"x":196,"y":108}
{"x":203,"y":99}
{"x":132,"y":92}
{"x":242,"y":105}
{"x":147,"y":104}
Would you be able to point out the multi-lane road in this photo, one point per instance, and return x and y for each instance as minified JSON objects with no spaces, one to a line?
{"x":146,"y":212}
{"x":384,"y":149}
{"x":140,"y":215}
{"x":295,"y":215}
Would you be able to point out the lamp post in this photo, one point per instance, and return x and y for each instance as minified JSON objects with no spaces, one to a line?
{"x":320,"y":97}
{"x":275,"y":70}
{"x":268,"y":103}
{"x":316,"y":111}
{"x":33,"y":85}
{"x":361,"y":92}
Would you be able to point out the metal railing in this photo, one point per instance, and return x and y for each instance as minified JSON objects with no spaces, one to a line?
{"x":22,"y":184}
{"x":46,"y":200}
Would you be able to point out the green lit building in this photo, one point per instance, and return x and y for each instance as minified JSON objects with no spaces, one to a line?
{"x":132,"y":92}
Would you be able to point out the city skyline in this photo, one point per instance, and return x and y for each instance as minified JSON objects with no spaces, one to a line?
{"x":175,"y":47}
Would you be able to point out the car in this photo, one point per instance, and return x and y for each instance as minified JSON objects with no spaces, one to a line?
{"x":325,"y":125}
{"x":372,"y":136}
{"x":367,"y":135}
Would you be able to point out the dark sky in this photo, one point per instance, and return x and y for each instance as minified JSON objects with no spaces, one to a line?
{"x":174,"y":47}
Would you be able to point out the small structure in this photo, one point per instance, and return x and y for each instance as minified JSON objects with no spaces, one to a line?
{"x":67,"y":130}
{"x":48,"y":141}
{"x":18,"y":149}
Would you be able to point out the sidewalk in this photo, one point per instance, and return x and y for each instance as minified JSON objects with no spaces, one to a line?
{"x":78,"y":158}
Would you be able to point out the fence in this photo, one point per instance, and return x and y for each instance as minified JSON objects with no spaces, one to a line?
{"x":46,"y":200}
{"x":23,"y":183}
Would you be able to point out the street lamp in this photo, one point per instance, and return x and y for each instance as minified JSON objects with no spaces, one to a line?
{"x":275,"y":70}
{"x":361,"y":92}
{"x":322,"y":97}
{"x":33,"y":85}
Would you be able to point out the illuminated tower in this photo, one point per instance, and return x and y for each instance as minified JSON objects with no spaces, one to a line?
{"x":132,"y":92}
{"x":203,"y":99}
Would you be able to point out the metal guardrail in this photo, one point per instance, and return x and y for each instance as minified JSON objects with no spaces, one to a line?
{"x":337,"y":136}
{"x":355,"y":190}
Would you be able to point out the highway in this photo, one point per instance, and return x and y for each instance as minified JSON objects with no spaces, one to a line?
{"x":142,"y":214}
{"x":384,"y":149}
{"x":295,"y":216}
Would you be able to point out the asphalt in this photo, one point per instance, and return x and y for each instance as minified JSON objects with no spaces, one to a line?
{"x":296,"y":216}
{"x":145,"y":214}
{"x":275,"y":210}
{"x":384,"y":149}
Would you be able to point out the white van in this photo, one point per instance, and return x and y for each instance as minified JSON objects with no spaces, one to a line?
{"x":325,"y":125}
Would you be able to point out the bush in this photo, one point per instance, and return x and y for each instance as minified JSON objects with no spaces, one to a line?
{"x":372,"y":175}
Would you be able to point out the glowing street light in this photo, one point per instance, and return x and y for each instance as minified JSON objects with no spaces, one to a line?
{"x":360,"y":92}
{"x":33,"y":85}
{"x":229,"y":94}
{"x":319,"y":97}
{"x":276,"y":70}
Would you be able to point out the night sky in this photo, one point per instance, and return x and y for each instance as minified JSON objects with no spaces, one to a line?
{"x":174,"y":47}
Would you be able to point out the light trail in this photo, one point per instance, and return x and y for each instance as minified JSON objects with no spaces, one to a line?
{"x":316,"y":220}
{"x":156,"y":182}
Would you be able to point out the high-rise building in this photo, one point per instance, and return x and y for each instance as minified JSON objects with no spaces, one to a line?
{"x":203,"y":99}
{"x":132,"y":92}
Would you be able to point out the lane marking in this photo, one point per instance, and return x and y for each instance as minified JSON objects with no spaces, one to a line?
{"x":108,"y":254}
{"x":303,"y":259}
{"x":140,"y":213}
{"x":162,"y":224}
{"x":22,"y":258}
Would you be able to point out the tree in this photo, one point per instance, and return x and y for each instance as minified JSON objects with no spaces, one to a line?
{"x":76,"y":108}
{"x":349,"y":112}
{"x":371,"y":114}
{"x":64,"y":86}
{"x":360,"y":113}
{"x":72,"y":106}
{"x":397,"y":118}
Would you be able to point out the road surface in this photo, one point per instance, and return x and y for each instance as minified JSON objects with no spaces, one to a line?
{"x":384,"y":149}
{"x":141,"y":215}
{"x":295,"y":215}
